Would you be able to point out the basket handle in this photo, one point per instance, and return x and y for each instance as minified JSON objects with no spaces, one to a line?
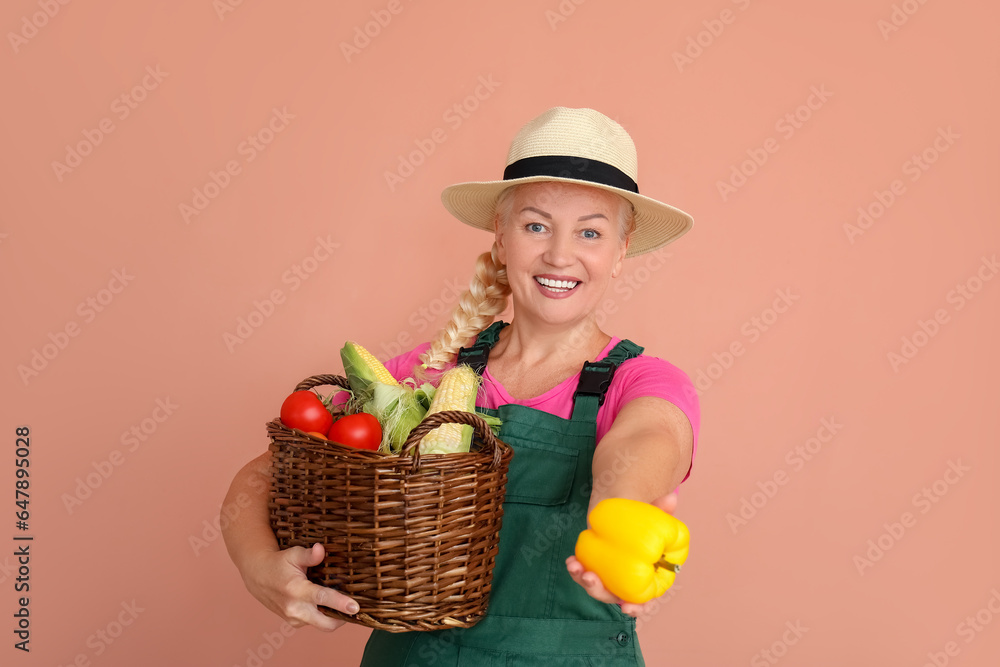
{"x":319,"y":380}
{"x":452,"y":417}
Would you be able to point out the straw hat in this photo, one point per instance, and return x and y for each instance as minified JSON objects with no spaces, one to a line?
{"x":573,"y":146}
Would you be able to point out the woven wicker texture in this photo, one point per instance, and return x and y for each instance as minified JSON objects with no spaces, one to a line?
{"x":412,"y":538}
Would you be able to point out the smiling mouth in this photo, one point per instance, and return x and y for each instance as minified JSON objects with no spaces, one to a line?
{"x":557,"y":285}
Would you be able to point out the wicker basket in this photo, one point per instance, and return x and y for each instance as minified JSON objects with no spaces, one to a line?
{"x":411,"y":538}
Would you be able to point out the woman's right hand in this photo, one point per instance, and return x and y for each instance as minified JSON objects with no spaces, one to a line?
{"x":278,"y":580}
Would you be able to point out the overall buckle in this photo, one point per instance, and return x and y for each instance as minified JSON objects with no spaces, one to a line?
{"x":595,"y":378}
{"x":475,"y":356}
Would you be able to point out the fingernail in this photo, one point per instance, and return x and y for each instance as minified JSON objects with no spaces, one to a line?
{"x":352,"y":607}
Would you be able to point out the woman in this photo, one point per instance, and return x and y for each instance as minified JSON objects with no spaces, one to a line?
{"x":565,"y":216}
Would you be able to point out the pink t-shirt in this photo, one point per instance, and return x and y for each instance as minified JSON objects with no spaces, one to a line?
{"x":641,"y":376}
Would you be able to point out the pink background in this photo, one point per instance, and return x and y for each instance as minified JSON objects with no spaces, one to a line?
{"x":827,"y":356}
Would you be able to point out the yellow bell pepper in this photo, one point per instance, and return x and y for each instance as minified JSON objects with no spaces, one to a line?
{"x":634,"y":547}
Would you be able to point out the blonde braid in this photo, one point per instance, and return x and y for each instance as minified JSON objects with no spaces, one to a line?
{"x":478,"y":306}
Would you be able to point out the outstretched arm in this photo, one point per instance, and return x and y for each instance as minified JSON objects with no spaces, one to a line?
{"x":644,"y":456}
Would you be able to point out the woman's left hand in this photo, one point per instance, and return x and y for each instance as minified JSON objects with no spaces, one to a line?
{"x":592,"y":583}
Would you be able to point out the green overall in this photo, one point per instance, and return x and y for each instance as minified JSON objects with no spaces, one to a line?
{"x":537,"y":614}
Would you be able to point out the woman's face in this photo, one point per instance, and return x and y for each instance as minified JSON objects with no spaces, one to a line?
{"x":561,"y":247}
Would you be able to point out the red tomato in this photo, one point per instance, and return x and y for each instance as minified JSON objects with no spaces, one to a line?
{"x":303,"y":410}
{"x":317,"y":434}
{"x":361,"y":430}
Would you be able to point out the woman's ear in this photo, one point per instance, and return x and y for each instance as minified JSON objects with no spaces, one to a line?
{"x":615,"y":272}
{"x":498,"y":233}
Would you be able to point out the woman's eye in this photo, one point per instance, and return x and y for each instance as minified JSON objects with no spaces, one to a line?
{"x":591,"y":234}
{"x":535,"y":227}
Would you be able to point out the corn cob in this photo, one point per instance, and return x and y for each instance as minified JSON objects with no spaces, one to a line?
{"x":362,"y":368}
{"x":457,"y":391}
{"x":397,"y":409}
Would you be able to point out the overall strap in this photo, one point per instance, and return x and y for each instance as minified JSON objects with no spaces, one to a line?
{"x":595,"y":379}
{"x":478,"y":353}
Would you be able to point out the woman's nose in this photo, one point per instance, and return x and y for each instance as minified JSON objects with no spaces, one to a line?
{"x":559,"y":251}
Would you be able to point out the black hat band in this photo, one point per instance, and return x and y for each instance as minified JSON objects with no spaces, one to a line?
{"x":571,"y":166}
